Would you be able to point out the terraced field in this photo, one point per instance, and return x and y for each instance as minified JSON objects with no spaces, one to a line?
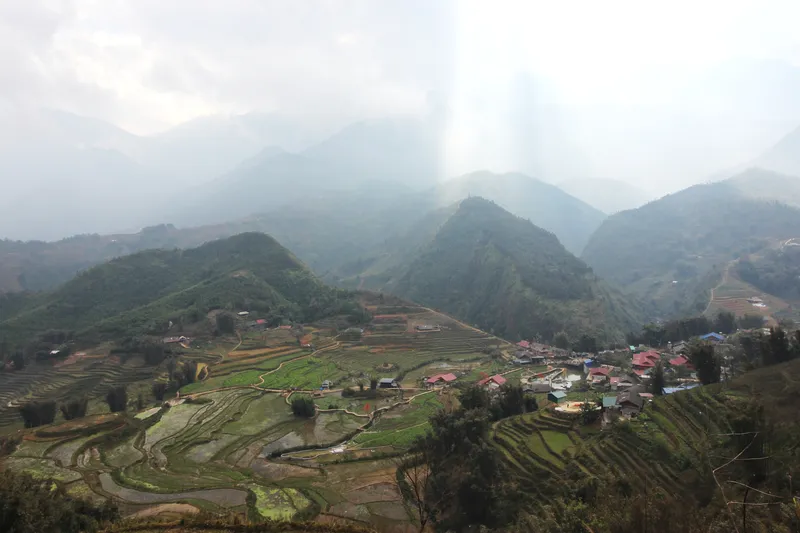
{"x":545,"y":449}
{"x":230,"y":441}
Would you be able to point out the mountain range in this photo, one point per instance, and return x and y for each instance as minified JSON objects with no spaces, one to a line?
{"x":156,"y":291}
{"x":672,"y":251}
{"x":504,"y":274}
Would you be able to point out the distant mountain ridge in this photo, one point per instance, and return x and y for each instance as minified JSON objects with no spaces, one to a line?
{"x":672,"y":251}
{"x":142,"y":293}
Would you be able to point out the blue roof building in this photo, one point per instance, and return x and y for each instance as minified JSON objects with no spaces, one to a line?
{"x":713,"y":337}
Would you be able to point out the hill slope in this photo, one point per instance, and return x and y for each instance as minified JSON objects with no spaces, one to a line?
{"x":506,"y":275}
{"x":767,"y":185}
{"x":672,"y":251}
{"x":784,"y":156}
{"x":143,"y":292}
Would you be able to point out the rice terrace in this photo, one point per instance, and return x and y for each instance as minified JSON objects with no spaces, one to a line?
{"x":230,"y":441}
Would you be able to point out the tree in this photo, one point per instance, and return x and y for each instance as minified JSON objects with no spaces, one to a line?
{"x":412,"y":476}
{"x":18,"y":358}
{"x":474,"y":397}
{"x":531,"y":404}
{"x":226,"y":324}
{"x":36,"y":414}
{"x":159,"y":390}
{"x":561,"y":340}
{"x":373,"y":383}
{"x":189,"y":369}
{"x":31,"y":506}
{"x":657,"y":382}
{"x":511,"y":401}
{"x":75,"y":408}
{"x":466,"y":483}
{"x":586,"y":344}
{"x":140,"y":402}
{"x":725,"y":322}
{"x":590,"y":411}
{"x":303,"y":407}
{"x":778,"y":343}
{"x":117,"y":399}
{"x":751,"y":321}
{"x":705,"y":361}
{"x":154,"y":353}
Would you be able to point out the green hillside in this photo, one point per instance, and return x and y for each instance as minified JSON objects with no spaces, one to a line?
{"x":510,"y":277}
{"x":672,"y":251}
{"x":143,"y":292}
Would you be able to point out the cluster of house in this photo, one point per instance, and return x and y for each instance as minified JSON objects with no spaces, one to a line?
{"x":529,"y":353}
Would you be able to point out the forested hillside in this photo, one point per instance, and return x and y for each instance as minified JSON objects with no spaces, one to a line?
{"x":508,"y":276}
{"x":143,"y":292}
{"x":671,"y":252}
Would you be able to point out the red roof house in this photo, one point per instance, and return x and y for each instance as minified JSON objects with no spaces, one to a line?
{"x":261,"y":321}
{"x":678,"y":361}
{"x":497,"y":379}
{"x":645,"y":360}
{"x":447,"y":378}
{"x":599,"y":371}
{"x":524,"y":344}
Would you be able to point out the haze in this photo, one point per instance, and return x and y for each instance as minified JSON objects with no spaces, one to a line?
{"x":657,"y":96}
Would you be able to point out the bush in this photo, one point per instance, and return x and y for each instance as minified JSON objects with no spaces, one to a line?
{"x":303,"y":407}
{"x":75,"y":408}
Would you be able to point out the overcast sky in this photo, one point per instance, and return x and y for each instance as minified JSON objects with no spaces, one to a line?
{"x":146,"y":65}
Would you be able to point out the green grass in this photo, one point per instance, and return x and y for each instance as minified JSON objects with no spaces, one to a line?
{"x":303,"y":374}
{"x":557,"y":441}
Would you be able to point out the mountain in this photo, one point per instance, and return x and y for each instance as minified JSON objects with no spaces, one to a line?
{"x":768,"y":185}
{"x":142,"y":293}
{"x":784,"y":157}
{"x":406,"y":150}
{"x":506,"y":275}
{"x":607,"y":195}
{"x":672,"y":251}
{"x":570,"y":219}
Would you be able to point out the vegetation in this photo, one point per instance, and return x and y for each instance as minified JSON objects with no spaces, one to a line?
{"x":36,"y":414}
{"x":28,"y":505}
{"x":706,"y":362}
{"x":303,"y":406}
{"x":513,"y":279}
{"x":75,"y":408}
{"x":143,"y":293}
{"x":687,"y":238}
{"x":117,"y":399}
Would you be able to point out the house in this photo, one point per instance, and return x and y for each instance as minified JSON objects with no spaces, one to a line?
{"x":445,"y":378}
{"x":679,"y":361}
{"x":712,"y":337}
{"x":524,"y":344}
{"x":243,"y":313}
{"x":426,"y":327}
{"x":614,"y":382}
{"x":645,"y":360}
{"x":388,"y":383}
{"x":599,"y":375}
{"x":557,"y":396}
{"x":630,"y":403}
{"x":492,"y":382}
{"x":626,"y":382}
{"x":647,"y":396}
{"x":537,"y":388}
{"x":680,"y":347}
{"x":284,"y":327}
{"x":538,"y":359}
{"x":609,"y":402}
{"x":326,"y":384}
{"x":522,"y":358}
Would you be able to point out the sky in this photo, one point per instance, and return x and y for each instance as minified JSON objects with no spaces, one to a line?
{"x":607,"y":70}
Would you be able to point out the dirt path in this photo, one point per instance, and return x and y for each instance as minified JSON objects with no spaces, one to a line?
{"x":722,"y":282}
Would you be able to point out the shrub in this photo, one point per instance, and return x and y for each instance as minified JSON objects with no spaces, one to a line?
{"x":303,"y":407}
